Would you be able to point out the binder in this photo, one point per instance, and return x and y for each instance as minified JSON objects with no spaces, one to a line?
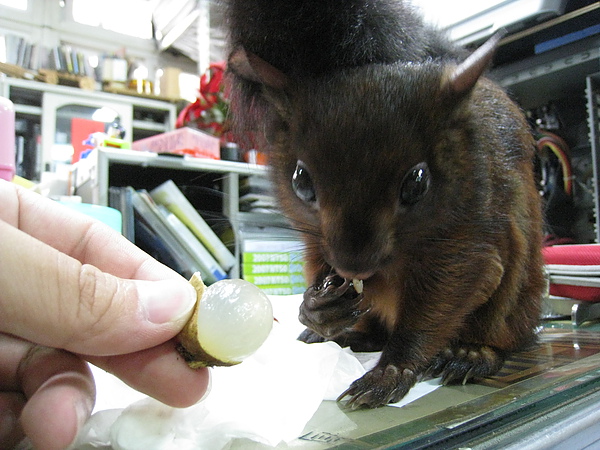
{"x":169,"y":195}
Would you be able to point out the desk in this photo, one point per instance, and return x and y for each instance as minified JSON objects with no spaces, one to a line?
{"x":548,"y":397}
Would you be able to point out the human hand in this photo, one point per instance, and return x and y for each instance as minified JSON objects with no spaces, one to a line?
{"x":73,"y":290}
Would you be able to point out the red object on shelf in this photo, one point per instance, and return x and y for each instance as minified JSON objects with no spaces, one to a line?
{"x":574,"y":271}
{"x":80,"y":131}
{"x":212,"y":94}
{"x":182,"y":141}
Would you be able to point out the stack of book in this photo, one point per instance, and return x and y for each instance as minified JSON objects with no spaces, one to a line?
{"x":275,"y":266}
{"x":165,"y":224}
{"x":256,"y":195}
{"x":19,"y":51}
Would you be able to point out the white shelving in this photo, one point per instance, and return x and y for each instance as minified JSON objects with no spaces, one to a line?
{"x":42,"y":103}
{"x":144,"y":170}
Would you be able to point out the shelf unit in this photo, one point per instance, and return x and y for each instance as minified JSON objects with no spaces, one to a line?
{"x":144,"y":170}
{"x":40,"y":105}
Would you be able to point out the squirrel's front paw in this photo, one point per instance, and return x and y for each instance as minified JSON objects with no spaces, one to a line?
{"x":379,"y":386}
{"x":331,"y":307}
{"x":462,"y":362}
{"x":311,"y":337}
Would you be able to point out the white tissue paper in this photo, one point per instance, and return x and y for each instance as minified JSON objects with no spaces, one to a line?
{"x":268,"y":398}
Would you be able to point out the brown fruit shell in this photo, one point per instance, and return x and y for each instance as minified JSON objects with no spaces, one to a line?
{"x":188,"y":345}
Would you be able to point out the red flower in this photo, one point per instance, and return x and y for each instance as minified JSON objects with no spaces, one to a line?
{"x":209,"y":111}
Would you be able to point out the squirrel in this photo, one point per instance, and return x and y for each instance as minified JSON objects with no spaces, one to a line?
{"x":410,"y":177}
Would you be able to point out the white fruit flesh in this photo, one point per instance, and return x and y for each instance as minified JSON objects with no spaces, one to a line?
{"x":234,"y":319}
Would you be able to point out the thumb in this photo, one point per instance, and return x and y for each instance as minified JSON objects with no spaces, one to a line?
{"x":52,"y":299}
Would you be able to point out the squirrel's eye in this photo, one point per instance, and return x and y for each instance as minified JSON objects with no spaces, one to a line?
{"x":415,"y":184}
{"x":302,"y":184}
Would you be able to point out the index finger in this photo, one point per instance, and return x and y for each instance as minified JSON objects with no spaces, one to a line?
{"x":77,"y":235}
{"x":95,"y":294}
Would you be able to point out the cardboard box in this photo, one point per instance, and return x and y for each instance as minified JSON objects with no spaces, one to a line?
{"x":169,"y":82}
{"x":181,"y":141}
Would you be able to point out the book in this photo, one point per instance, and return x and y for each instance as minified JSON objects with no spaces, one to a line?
{"x":170,"y":248}
{"x":254,"y":243}
{"x":211,"y":271}
{"x":56,"y":62}
{"x":271,"y":257}
{"x":274,"y":262}
{"x":279,"y":279}
{"x":149,"y":241}
{"x":283,"y":289}
{"x":174,"y":232}
{"x":272,"y":268}
{"x":170,"y":196}
{"x":120,"y":198}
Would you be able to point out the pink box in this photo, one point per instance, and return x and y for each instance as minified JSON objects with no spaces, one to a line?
{"x":181,"y":141}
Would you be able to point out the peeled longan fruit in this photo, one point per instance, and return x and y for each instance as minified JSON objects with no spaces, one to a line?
{"x":231,"y":320}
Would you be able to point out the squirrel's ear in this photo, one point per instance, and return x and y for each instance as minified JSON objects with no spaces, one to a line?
{"x":464,"y":76}
{"x":250,"y":67}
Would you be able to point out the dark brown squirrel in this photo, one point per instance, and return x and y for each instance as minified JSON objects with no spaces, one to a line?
{"x":407,"y":172}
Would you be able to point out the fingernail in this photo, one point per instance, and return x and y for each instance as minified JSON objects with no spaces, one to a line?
{"x":167,"y":300}
{"x":83,"y":410}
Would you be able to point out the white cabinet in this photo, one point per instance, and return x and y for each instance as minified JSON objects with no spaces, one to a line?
{"x":44,"y":112}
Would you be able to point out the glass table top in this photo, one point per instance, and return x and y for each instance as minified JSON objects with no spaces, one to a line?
{"x":562,"y":369}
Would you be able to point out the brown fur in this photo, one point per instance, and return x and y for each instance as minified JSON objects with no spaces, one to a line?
{"x":453,"y":277}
